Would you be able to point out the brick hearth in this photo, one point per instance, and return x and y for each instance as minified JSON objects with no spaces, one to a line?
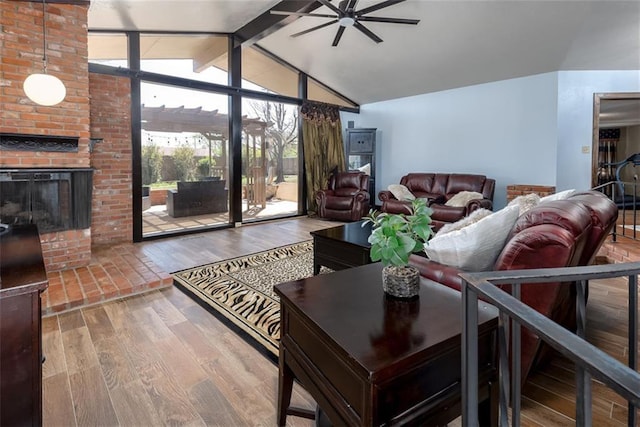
{"x":113,"y":272}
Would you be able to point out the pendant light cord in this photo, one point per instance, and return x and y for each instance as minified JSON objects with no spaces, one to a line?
{"x":42,"y":88}
{"x":44,"y":38}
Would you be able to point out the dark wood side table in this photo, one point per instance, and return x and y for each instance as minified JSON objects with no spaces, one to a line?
{"x":341,"y":247}
{"x":371,"y":360}
{"x":22,"y":278}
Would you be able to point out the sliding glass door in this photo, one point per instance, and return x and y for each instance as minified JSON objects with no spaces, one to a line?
{"x":270,"y":161}
{"x":185,"y":174}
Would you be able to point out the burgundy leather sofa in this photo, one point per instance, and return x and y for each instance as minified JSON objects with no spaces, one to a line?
{"x":346,"y":197}
{"x":562,"y":233}
{"x":438,"y":188}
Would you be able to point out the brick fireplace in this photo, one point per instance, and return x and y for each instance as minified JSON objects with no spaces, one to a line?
{"x":95,"y":107}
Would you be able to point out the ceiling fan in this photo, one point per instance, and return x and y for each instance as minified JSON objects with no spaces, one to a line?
{"x":346,"y":15}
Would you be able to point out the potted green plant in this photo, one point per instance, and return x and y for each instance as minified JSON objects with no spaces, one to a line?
{"x":394,"y":237}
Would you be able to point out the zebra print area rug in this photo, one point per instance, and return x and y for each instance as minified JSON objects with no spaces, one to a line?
{"x":241,"y":289}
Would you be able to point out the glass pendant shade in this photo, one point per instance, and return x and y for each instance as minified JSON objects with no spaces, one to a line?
{"x":44,"y":89}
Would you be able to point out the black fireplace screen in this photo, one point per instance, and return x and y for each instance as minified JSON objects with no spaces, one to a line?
{"x":54,"y":199}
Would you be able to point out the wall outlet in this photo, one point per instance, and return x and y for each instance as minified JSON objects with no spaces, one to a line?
{"x":586,"y":149}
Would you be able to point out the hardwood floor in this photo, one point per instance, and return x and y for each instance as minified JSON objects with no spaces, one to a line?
{"x":197,"y":249}
{"x":155,"y":359}
{"x":161,"y":359}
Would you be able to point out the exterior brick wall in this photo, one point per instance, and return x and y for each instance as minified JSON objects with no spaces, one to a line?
{"x":67,"y":54}
{"x":112,"y":217}
{"x":516,"y":190}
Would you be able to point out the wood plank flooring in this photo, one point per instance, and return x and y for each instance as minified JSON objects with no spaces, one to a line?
{"x":161,"y":359}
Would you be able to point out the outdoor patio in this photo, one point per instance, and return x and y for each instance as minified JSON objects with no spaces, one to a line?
{"x":156,"y":220}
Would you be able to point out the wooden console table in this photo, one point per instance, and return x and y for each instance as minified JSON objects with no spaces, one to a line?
{"x":371,"y":360}
{"x":22,"y":278}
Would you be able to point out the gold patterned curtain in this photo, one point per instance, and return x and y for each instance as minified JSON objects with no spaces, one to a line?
{"x":323,"y":146}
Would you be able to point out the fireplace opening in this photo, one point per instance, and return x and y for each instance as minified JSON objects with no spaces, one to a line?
{"x":54,"y":199}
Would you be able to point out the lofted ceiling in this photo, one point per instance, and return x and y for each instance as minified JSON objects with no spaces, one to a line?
{"x":456,"y":43}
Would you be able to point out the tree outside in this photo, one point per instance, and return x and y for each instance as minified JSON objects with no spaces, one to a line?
{"x":185,"y":163}
{"x":282,"y":132}
{"x":151,"y":164}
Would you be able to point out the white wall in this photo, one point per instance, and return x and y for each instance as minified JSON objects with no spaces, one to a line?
{"x":505,"y":130}
{"x":529,"y":130}
{"x":575,"y":119}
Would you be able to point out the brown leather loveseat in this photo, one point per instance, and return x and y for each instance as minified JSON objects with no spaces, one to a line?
{"x":561,"y":233}
{"x":438,"y":188}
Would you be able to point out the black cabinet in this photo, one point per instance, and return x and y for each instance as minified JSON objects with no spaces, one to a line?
{"x":360,"y":151}
{"x":22,"y":278}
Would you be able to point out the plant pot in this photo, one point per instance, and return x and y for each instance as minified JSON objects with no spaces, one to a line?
{"x":401,"y":282}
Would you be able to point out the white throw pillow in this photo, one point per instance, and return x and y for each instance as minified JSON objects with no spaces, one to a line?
{"x":477,"y":246}
{"x":525,"y":202}
{"x":475,"y":216}
{"x":366,"y":169}
{"x":462,"y":198}
{"x":558,"y":196}
{"x":401,"y":192}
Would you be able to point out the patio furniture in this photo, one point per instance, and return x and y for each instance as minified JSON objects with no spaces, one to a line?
{"x":197,"y":198}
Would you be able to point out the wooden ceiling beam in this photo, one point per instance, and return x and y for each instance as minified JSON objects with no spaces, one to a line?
{"x":76,"y":2}
{"x":268,"y":23}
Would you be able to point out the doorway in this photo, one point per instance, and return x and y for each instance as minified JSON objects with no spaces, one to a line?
{"x":616,"y":136}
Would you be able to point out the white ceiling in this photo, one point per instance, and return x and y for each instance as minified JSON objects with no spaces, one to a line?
{"x":224,"y":16}
{"x":457,"y":43}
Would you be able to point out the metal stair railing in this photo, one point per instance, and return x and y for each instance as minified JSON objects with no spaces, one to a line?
{"x":590,"y":361}
{"x":625,"y":196}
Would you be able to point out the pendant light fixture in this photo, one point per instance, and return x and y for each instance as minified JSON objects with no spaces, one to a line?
{"x":44,"y":89}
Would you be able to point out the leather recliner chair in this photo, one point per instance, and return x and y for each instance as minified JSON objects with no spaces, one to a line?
{"x":346,"y":198}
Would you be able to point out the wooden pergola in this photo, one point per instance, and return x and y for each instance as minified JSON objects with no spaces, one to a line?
{"x":214,"y":126}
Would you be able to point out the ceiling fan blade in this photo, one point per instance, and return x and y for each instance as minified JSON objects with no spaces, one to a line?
{"x":389,"y":20}
{"x":377,"y":6}
{"x":336,"y":40}
{"x":366,"y":32}
{"x":351,"y":5}
{"x":326,"y":24}
{"x":332,"y":7}
{"x":317,"y":15}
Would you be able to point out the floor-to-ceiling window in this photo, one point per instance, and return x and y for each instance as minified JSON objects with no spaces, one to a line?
{"x":185,"y":136}
{"x":271,"y":175}
{"x":270,"y":146}
{"x":182,"y":135}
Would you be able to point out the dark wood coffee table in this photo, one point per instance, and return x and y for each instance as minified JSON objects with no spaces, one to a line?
{"x":369,"y":360}
{"x":341,"y":247}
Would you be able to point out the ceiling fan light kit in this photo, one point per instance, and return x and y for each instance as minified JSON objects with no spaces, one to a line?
{"x":346,"y":15}
{"x":346,"y":21}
